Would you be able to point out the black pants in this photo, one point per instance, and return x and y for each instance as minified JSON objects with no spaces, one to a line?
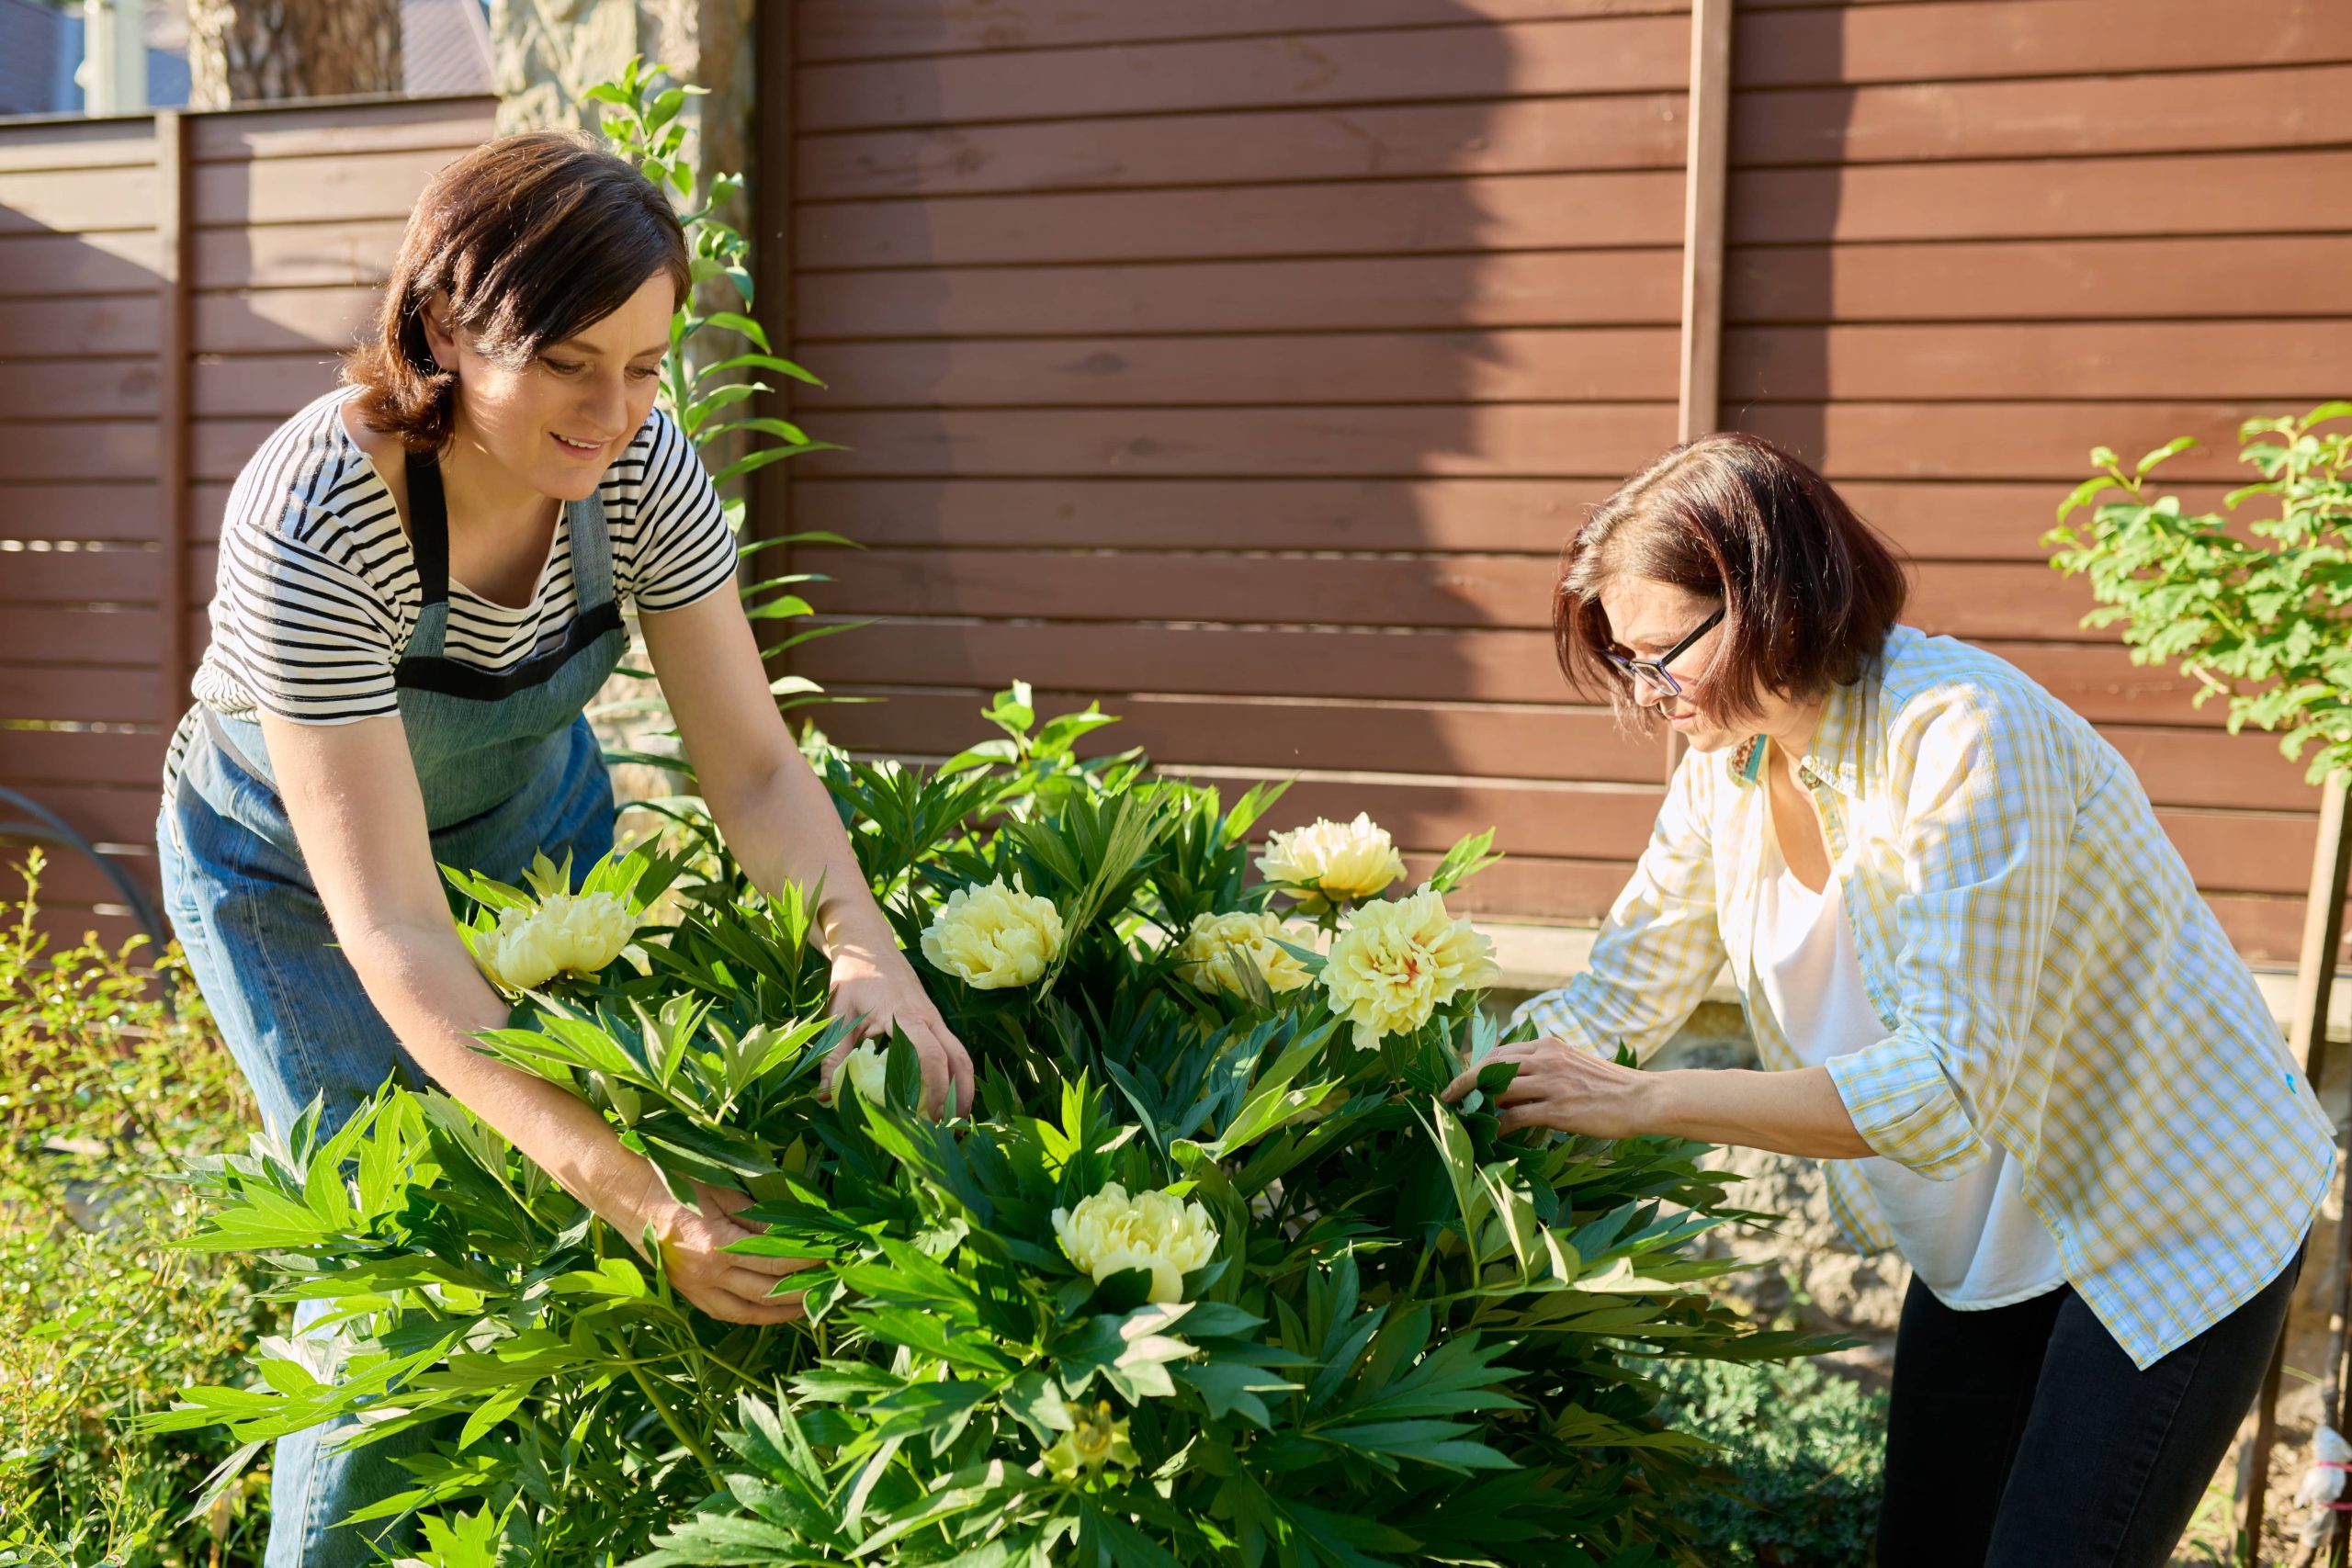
{"x":2024,"y":1437}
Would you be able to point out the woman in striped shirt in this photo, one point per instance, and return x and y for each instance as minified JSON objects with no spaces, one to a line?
{"x":421,"y":585}
{"x":1984,"y":990}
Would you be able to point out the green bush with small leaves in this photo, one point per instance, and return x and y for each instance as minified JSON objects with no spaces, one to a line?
{"x":111,"y":1080}
{"x":2255,"y":607}
{"x":1802,"y":1449}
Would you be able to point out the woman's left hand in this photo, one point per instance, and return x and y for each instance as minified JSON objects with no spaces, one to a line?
{"x":1560,"y":1087}
{"x":879,"y":989}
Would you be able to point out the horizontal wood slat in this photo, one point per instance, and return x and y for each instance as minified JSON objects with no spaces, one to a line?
{"x":2177,"y":767}
{"x":2303,"y":359}
{"x":1641,"y":130}
{"x":1521,"y":212}
{"x":1554,"y":366}
{"x":848,"y":30}
{"x":1979,"y":38}
{"x":313,"y":188}
{"x":45,"y":450}
{"x":2239,"y":276}
{"x":75,"y":694}
{"x":33,"y":576}
{"x":2016,"y":440}
{"x":356,"y":253}
{"x":1985,"y":600}
{"x":2268,"y":931}
{"x":78,"y":199}
{"x":107,"y":324}
{"x":1939,"y":521}
{"x":89,"y":388}
{"x":1471,"y":440}
{"x":52,"y":264}
{"x":104,"y":814}
{"x":52,"y":757}
{"x":2097,"y":680}
{"x":1340,"y":293}
{"x":263,"y":386}
{"x":77,"y":511}
{"x":1868,"y":441}
{"x":1468,"y":739}
{"x":275,"y":321}
{"x":428,"y":124}
{"x":1609,"y":54}
{"x":2227,"y":193}
{"x":76,"y":145}
{"x":2041,"y":361}
{"x":2213,"y":111}
{"x":70,"y":884}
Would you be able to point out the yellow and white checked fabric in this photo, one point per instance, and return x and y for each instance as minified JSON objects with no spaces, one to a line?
{"x":2049,"y":977}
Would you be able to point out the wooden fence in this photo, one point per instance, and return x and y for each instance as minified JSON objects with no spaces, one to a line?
{"x":170,"y":287}
{"x":1245,"y":363}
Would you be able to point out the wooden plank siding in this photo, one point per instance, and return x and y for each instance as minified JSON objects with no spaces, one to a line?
{"x":286,"y":225}
{"x":1245,"y":366}
{"x":1964,"y":253}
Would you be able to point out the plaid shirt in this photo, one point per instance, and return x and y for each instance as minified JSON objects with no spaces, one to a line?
{"x":2055,"y":985}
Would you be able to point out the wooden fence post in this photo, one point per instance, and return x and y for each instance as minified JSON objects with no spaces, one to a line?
{"x":768,"y":514}
{"x":1705,"y":184}
{"x":174,"y":226}
{"x":2314,"y":981}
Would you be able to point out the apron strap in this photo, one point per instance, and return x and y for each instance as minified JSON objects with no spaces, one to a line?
{"x":428,"y":527}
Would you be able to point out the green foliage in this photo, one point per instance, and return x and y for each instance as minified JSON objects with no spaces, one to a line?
{"x":1803,"y":1449}
{"x":2262,"y":614}
{"x":719,"y":352}
{"x":1411,"y":1339}
{"x":108,"y":1073}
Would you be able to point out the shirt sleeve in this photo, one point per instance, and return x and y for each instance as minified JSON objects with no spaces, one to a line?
{"x":1660,"y":946}
{"x":299,"y":618}
{"x":680,"y":546}
{"x":1986,"y":816}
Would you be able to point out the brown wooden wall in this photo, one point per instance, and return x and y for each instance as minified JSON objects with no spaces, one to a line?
{"x":170,"y":289}
{"x":1245,"y":364}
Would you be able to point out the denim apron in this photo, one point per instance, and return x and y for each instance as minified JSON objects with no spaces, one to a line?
{"x":507,"y":766}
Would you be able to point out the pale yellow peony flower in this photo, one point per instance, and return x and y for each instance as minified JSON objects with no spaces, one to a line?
{"x":563,"y":933}
{"x":1398,"y":961}
{"x":1109,"y":1232}
{"x":1345,"y":861}
{"x":1218,"y":945}
{"x":866,"y":1069}
{"x":1093,"y":1441}
{"x":994,"y":937}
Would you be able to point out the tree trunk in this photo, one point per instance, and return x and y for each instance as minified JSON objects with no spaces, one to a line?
{"x":249,"y":50}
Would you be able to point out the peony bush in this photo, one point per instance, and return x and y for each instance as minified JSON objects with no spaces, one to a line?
{"x":1210,"y":1276}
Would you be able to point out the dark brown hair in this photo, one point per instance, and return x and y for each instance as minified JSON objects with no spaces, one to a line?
{"x":1809,"y":589}
{"x":532,"y":237}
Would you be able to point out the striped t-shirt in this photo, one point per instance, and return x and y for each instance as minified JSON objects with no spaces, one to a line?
{"x":318,"y":593}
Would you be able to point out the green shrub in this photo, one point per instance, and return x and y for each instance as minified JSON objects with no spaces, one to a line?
{"x":2257,"y":609}
{"x":1397,"y":1336}
{"x":109,"y":1078}
{"x":1804,"y":1449}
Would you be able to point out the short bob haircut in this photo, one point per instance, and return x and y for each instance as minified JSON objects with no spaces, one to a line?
{"x":1809,"y":590}
{"x":532,"y":238}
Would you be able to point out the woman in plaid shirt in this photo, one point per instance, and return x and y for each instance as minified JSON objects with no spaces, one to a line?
{"x":1984,"y":990}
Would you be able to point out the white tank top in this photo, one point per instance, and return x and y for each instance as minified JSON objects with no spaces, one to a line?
{"x":1973,"y":1241}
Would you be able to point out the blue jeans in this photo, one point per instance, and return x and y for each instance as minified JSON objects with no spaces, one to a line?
{"x":293,"y":1012}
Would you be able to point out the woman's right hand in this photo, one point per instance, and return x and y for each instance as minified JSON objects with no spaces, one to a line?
{"x":729,"y":1287}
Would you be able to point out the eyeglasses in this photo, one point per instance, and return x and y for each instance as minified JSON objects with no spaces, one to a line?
{"x":1655,"y":671}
